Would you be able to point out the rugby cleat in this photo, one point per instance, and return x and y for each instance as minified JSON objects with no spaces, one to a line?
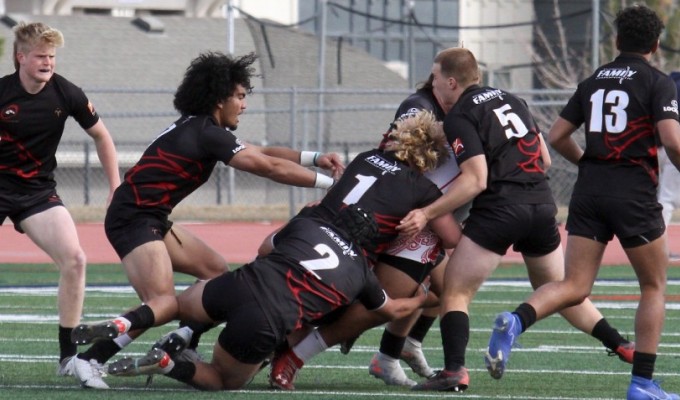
{"x":389,"y":371}
{"x":505,"y":331}
{"x":412,"y":354}
{"x":155,"y":361}
{"x":446,"y":381}
{"x":89,"y":373}
{"x":88,"y":333}
{"x":284,"y":369}
{"x":625,"y":352}
{"x":647,"y":389}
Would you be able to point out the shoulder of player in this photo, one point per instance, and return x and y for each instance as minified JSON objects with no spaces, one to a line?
{"x":63,"y":82}
{"x":420,"y":100}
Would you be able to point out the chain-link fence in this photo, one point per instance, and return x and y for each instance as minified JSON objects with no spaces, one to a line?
{"x":348,"y":122}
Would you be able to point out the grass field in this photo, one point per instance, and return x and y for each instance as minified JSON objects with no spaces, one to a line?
{"x":554,"y":362}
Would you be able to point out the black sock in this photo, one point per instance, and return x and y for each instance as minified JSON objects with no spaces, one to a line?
{"x":391,"y":344}
{"x":199,"y":328}
{"x":140,"y":318}
{"x":608,"y":335}
{"x":102,"y":351}
{"x":183,"y":371}
{"x":66,"y":348}
{"x":421,"y":327}
{"x":527,"y":315}
{"x":643,"y":364}
{"x":455,"y":331}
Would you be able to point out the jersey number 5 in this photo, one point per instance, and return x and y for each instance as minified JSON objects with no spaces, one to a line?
{"x":513,"y":124}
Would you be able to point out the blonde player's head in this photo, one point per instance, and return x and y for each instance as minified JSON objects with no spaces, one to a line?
{"x":419,"y":141}
{"x":30,"y":36}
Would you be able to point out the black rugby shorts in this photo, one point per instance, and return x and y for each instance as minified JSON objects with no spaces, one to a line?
{"x":634,"y":222}
{"x":19,"y":206}
{"x":531,"y":229}
{"x":248,"y":336}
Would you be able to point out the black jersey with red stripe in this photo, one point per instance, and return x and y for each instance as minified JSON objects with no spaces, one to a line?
{"x":174,"y":165}
{"x":31,"y":126}
{"x":619,"y":106}
{"x":377,"y":181}
{"x":313,"y":270}
{"x":499,"y":125}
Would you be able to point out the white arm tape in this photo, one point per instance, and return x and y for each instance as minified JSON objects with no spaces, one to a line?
{"x":308,"y":158}
{"x":323,"y":181}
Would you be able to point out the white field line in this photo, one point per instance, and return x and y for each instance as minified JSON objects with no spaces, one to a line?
{"x":125,"y":290}
{"x":319,"y":393}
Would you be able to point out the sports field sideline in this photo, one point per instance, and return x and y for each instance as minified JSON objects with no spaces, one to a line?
{"x":236,"y":241}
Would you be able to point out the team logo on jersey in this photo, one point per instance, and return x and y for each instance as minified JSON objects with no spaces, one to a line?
{"x":387,"y":167}
{"x":344,"y":246}
{"x":616,"y":73}
{"x":411,"y":112}
{"x":57,"y":112}
{"x":240,"y":147}
{"x":457,"y":147}
{"x":90,"y":107}
{"x":672,"y":108}
{"x":487,"y":95}
{"x":9,"y":112}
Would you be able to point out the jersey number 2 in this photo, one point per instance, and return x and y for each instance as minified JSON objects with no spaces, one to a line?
{"x":328,"y":260}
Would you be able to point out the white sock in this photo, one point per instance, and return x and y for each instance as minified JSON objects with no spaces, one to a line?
{"x":385,"y":358}
{"x":123,"y":340}
{"x":310,"y":346}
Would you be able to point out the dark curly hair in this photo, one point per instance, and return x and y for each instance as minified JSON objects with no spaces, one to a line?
{"x":638,"y":29}
{"x":210,"y":78}
{"x":359,"y":224}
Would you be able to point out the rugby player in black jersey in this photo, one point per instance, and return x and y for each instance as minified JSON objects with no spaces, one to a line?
{"x":35,"y":103}
{"x":391,"y":183}
{"x":315,"y":268}
{"x":627,"y":106}
{"x":502,"y":158}
{"x":210,"y":99}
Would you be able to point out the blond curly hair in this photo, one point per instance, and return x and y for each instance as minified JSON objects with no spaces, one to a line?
{"x":419,"y":141}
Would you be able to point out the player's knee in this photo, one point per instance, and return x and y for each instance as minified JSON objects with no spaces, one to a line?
{"x":575,"y":294}
{"x":73,"y":264}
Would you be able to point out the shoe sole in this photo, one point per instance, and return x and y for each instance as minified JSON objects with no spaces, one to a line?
{"x":459,"y":387}
{"x":496,"y":365}
{"x":147,"y":365}
{"x":391,"y":382}
{"x":86,"y":334}
{"x":172,"y":345}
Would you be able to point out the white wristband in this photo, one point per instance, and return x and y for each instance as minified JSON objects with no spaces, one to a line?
{"x":323,"y":181}
{"x":308,"y":158}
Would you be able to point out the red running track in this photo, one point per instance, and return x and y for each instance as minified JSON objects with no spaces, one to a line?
{"x":236,"y":241}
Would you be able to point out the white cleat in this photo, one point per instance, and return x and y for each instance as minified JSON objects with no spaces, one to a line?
{"x":89,"y":373}
{"x":389,"y":371}
{"x":412,"y":354}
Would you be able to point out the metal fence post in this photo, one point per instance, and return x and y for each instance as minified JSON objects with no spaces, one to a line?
{"x":293,"y":139}
{"x":86,"y":173}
